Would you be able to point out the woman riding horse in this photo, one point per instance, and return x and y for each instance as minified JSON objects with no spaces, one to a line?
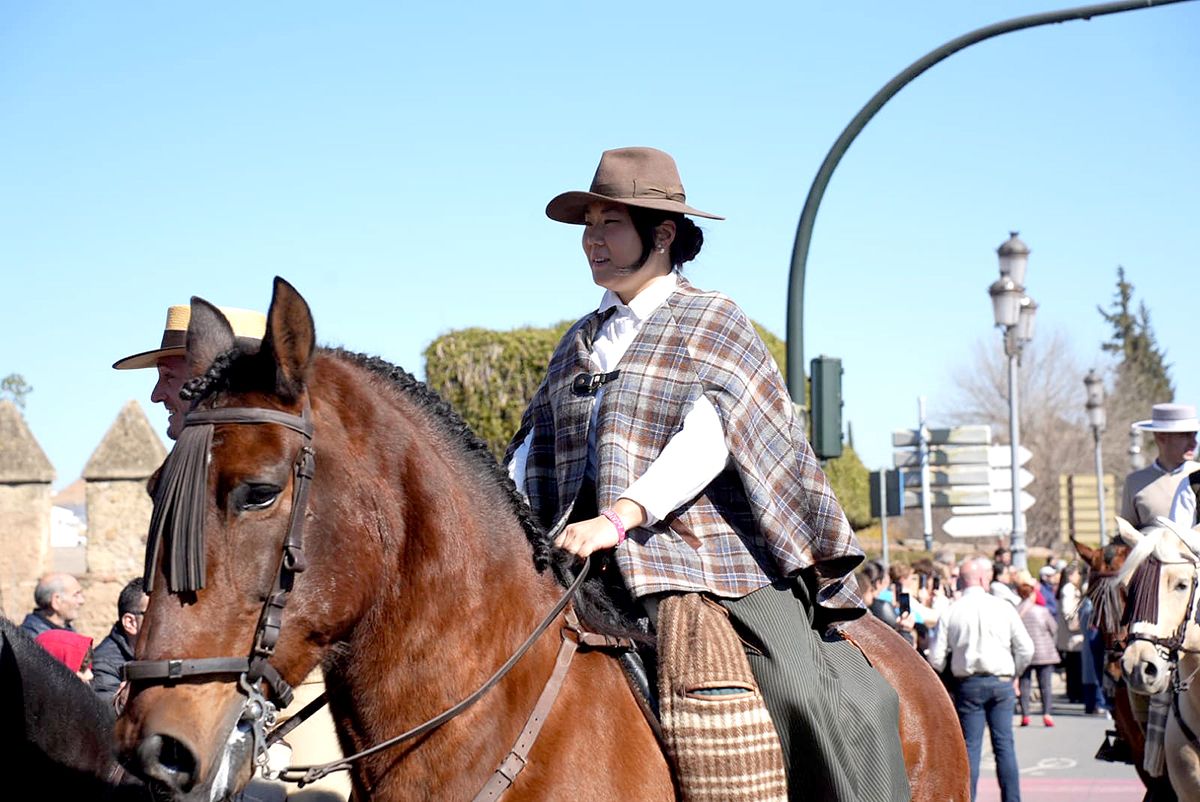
{"x":663,"y":432}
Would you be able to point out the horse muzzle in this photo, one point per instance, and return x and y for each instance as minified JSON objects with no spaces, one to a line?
{"x":167,"y":756}
{"x":1145,"y":670}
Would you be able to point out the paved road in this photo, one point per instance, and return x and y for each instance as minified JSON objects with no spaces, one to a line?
{"x":1058,"y":763}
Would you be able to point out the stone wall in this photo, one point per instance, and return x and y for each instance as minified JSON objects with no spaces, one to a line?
{"x":118,"y":515}
{"x":25,"y":477}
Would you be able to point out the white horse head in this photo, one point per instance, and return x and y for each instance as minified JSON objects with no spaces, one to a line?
{"x":1161,"y":576}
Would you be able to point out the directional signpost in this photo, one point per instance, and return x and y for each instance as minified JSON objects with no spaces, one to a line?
{"x":948,"y":467}
{"x":994,"y":519}
{"x":959,"y":468}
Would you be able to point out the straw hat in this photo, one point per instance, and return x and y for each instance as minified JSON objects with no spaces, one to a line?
{"x":642,"y":177}
{"x":1170,"y":418}
{"x":1025,"y":579}
{"x":247,"y":325}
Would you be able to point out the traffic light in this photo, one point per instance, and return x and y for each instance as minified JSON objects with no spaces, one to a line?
{"x":892,"y":495}
{"x":826,"y":372}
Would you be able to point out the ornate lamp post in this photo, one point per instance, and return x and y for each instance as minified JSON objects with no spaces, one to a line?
{"x":1095,"y":412}
{"x":1014,"y":311}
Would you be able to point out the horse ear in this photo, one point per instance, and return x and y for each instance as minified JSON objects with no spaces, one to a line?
{"x":290,"y":339}
{"x":1127,"y":533}
{"x":1085,"y":551}
{"x":208,"y":336}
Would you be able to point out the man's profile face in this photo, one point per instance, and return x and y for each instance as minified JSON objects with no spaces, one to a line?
{"x":1174,"y":448}
{"x":172,"y":373}
{"x":132,"y":622}
{"x":67,"y":602}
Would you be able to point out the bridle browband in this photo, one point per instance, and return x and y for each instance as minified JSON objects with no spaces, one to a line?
{"x":181,"y":524}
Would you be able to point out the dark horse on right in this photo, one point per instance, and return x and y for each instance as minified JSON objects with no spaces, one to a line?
{"x":423,"y":571}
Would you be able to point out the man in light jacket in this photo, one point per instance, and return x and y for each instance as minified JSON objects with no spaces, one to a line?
{"x":987,"y":647}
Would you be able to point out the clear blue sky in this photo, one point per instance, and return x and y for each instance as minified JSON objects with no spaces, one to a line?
{"x":393,"y":162}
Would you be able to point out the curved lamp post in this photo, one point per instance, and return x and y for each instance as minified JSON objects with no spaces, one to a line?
{"x":1095,"y":413}
{"x":1014,"y":311}
{"x":808,"y":217}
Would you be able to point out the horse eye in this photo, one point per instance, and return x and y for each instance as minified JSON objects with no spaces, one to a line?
{"x":255,"y":497}
{"x":1181,"y":586}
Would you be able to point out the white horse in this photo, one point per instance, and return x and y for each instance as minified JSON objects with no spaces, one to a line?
{"x":1161,"y":574}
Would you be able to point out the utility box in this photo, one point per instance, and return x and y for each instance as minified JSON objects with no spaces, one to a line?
{"x":826,"y":373}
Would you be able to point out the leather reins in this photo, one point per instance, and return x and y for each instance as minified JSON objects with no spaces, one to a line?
{"x":260,"y":712}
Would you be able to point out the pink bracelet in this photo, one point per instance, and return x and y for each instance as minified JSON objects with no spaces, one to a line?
{"x":616,"y":521}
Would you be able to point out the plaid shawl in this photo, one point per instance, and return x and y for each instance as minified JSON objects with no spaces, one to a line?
{"x":770,"y":514}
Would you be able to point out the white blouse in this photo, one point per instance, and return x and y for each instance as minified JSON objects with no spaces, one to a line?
{"x":694,"y":455}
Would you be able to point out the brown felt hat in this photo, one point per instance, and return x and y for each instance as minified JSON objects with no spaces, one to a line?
{"x":642,"y":177}
{"x":246,"y":323}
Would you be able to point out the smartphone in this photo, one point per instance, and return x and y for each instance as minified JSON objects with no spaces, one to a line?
{"x":905,"y":603}
{"x":937,"y":583}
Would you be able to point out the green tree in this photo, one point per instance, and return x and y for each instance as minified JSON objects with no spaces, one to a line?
{"x":14,"y":388}
{"x":1141,"y":376}
{"x":1142,"y":367}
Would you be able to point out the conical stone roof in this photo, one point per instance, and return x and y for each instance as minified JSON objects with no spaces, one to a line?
{"x":21,"y":458}
{"x":130,"y":450}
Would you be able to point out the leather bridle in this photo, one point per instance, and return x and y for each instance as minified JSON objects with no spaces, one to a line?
{"x":258,"y":711}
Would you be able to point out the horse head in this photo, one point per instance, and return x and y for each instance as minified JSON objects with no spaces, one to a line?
{"x":1106,"y":593}
{"x":1160,"y":575}
{"x":225,"y":559}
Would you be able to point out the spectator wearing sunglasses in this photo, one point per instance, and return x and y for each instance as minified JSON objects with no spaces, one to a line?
{"x":117,"y":649}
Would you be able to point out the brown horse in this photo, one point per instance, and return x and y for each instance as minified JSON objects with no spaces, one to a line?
{"x":410,"y":582}
{"x":1108,"y":605}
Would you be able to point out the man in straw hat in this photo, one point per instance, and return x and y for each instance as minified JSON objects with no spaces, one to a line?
{"x":315,"y":741}
{"x":168,"y":358}
{"x":1151,"y":491}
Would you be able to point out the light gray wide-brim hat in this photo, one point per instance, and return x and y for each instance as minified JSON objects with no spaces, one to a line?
{"x":642,"y":177}
{"x":1170,"y":418}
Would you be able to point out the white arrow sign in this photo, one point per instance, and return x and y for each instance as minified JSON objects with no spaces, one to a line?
{"x":979,"y":526}
{"x":951,"y":475}
{"x":1001,"y":456}
{"x":1001,"y":503}
{"x":980,"y":435}
{"x":974,"y":495}
{"x":1001,"y":478}
{"x":944,"y":455}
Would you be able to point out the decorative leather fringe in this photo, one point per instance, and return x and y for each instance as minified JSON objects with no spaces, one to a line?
{"x":724,"y":746}
{"x":177,"y":523}
{"x":1142,"y":601}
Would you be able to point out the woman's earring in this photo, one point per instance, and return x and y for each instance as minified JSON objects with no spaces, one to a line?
{"x":661,"y":249}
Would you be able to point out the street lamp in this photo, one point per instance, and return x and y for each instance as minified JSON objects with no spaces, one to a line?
{"x":1014,"y":311}
{"x":1095,"y":413}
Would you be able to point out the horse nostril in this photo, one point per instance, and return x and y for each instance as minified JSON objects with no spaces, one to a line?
{"x":1149,"y":670}
{"x":168,"y":761}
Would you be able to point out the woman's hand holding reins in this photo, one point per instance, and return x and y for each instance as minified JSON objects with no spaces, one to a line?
{"x":582,"y":538}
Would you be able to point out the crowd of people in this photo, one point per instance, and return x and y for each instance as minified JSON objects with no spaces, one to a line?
{"x":58,"y":599}
{"x":990,"y":631}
